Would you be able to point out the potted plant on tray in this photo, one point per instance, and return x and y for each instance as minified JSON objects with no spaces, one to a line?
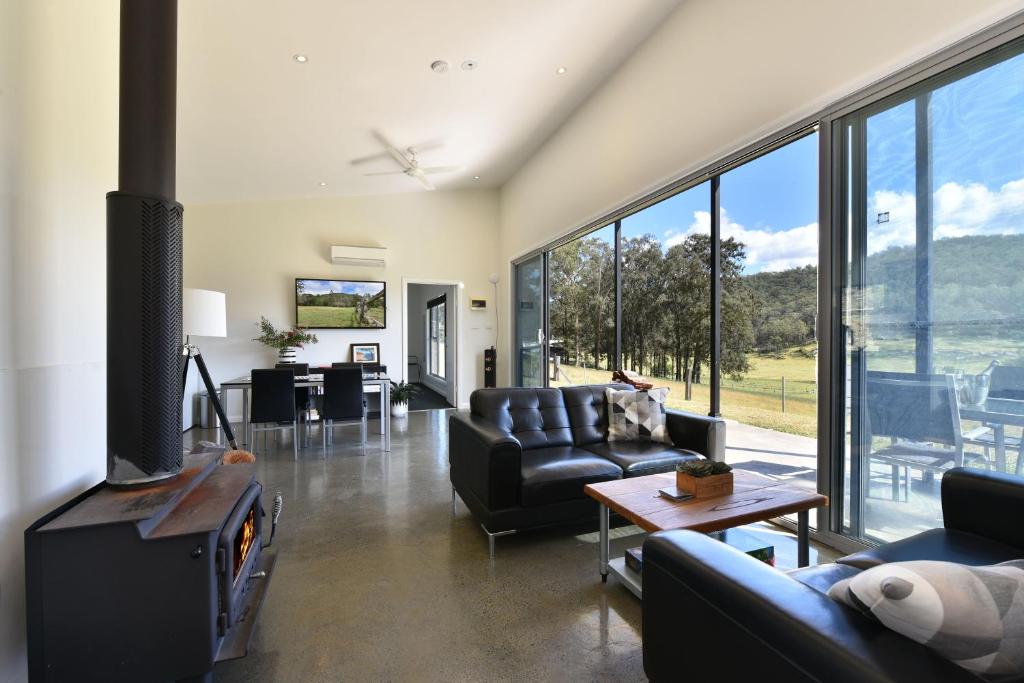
{"x":285,"y":341}
{"x":704,"y":478}
{"x":401,"y":393}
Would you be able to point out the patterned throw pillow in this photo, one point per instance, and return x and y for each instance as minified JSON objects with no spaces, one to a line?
{"x":973,"y":616}
{"x":637,"y":415}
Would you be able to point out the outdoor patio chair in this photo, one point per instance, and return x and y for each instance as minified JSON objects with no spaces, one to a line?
{"x":920,"y":416}
{"x":1008,"y":384}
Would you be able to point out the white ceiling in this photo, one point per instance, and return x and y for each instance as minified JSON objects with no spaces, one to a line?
{"x":254,"y":124}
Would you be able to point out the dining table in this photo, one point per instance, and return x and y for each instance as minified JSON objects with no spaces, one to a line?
{"x":997,"y":413}
{"x":372,"y":383}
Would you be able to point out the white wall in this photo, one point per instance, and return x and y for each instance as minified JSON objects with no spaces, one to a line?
{"x":715,"y":77}
{"x":253,"y":252}
{"x":419,"y":295}
{"x":58,"y":155}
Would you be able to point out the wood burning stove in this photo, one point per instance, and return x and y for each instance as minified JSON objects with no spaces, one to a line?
{"x":159,"y":572}
{"x":148,"y":584}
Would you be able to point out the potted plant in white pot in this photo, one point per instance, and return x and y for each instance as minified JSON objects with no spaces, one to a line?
{"x":401,"y":393}
{"x":285,"y":341}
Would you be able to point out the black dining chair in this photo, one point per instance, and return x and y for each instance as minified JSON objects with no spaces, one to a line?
{"x":273,"y":405}
{"x":303,"y":396}
{"x":343,"y":402}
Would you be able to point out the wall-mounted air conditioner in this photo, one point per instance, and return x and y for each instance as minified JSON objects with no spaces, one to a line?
{"x":367,"y":257}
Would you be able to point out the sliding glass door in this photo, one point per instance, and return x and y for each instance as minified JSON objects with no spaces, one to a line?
{"x":932,"y":329}
{"x":530,"y":343}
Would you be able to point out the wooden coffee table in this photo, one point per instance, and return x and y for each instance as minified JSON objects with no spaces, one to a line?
{"x":755,"y":498}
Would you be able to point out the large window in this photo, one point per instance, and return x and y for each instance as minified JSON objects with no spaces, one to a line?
{"x":910,"y":307}
{"x":769,"y":258}
{"x":437,"y":344}
{"x":666,"y":296}
{"x":581,"y":309}
{"x":933,"y":280}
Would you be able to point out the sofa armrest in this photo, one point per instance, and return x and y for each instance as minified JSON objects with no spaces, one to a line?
{"x":700,"y":433}
{"x":985,"y":503}
{"x":740,"y":619}
{"x":485,"y":459}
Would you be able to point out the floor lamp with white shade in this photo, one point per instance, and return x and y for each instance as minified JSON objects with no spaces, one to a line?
{"x":204,"y":314}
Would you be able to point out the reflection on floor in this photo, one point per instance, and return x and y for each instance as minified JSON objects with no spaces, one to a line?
{"x":378,"y":581}
{"x":427,"y":399}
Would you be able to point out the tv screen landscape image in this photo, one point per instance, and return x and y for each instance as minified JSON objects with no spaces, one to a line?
{"x":340,"y":304}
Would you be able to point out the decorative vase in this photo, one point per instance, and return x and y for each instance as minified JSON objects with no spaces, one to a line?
{"x":286,"y":355}
{"x":399,"y":409}
{"x":705,"y":487}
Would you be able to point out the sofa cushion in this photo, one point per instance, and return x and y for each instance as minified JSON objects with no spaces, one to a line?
{"x":639,"y":458}
{"x":973,"y":616}
{"x":588,"y":411}
{"x":937,"y":544}
{"x":559,"y":473}
{"x":536,"y":417}
{"x":637,"y":415}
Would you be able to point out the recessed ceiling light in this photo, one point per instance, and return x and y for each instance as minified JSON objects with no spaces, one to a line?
{"x":468,"y":65}
{"x":439,"y":66}
{"x":476,"y":177}
{"x":323,"y":184}
{"x":301,"y":59}
{"x":560,"y":70}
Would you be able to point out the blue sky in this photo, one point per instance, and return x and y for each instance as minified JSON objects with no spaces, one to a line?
{"x":341,"y":287}
{"x":770,"y":204}
{"x":764,"y":202}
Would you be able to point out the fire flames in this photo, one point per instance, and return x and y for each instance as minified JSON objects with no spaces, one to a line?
{"x":244,"y":540}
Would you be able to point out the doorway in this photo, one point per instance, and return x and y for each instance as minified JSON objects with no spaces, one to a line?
{"x":431,"y":334}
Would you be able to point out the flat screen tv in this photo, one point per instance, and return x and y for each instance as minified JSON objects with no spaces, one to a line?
{"x":340,"y":304}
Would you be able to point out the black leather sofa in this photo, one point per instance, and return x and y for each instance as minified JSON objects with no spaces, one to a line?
{"x":522,"y":456}
{"x":747,"y":621}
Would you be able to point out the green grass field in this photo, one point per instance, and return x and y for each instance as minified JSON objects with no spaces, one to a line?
{"x":330,"y":316}
{"x":754,"y":400}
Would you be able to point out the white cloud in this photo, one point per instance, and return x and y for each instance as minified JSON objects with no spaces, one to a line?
{"x":960,"y":210}
{"x":767,"y":250}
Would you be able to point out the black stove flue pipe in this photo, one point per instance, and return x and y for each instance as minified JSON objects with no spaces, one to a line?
{"x":144,"y":256}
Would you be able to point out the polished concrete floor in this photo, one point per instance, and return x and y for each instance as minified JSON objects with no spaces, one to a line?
{"x":377,"y":581}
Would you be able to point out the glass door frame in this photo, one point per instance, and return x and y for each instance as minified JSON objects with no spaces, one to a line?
{"x":841,"y":224}
{"x":517,"y":370}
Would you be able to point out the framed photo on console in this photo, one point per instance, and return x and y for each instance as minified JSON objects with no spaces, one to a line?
{"x":366,"y":353}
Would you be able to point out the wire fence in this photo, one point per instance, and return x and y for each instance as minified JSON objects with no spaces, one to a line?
{"x":780,"y":389}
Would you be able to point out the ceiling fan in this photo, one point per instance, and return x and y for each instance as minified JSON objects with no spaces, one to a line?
{"x":407,"y":160}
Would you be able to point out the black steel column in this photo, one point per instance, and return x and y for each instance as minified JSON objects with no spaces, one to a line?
{"x":617,"y":364}
{"x":716,"y":302}
{"x":144,"y":256}
{"x":923,"y":307}
{"x":545,"y":347}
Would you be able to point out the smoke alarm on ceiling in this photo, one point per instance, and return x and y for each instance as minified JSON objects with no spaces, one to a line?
{"x":439,"y":66}
{"x":468,"y":65}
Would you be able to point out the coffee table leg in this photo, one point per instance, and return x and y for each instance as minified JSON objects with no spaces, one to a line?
{"x":603,"y":542}
{"x":803,"y":551}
